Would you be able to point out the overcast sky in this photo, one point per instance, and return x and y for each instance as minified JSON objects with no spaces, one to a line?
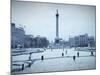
{"x":40,"y":19}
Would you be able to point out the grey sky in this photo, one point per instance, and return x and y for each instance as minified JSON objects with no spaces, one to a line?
{"x":40,"y":19}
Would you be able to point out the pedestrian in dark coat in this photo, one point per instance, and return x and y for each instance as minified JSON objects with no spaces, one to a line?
{"x":74,"y":57}
{"x":77,"y":54}
{"x":62,"y":54}
{"x":30,"y":56}
{"x":66,"y":51}
{"x":92,"y":53}
{"x":42,"y":57}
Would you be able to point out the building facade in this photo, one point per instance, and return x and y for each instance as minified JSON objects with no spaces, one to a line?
{"x":82,"y":41}
{"x":91,"y":42}
{"x":20,"y":39}
{"x":72,"y":42}
{"x":17,"y":36}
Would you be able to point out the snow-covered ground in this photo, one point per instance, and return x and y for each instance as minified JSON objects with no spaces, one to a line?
{"x":54,"y":61}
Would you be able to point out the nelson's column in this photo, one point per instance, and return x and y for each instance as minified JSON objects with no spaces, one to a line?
{"x":57,"y":39}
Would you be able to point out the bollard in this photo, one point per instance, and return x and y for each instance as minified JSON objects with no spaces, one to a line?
{"x":22,"y":66}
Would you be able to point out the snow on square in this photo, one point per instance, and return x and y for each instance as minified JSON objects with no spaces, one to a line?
{"x":54,"y":61}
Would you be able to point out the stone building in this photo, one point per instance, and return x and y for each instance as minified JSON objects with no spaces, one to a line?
{"x":81,"y":41}
{"x":17,"y":36}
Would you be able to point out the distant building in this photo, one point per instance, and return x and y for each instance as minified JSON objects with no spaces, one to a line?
{"x":17,"y":36}
{"x":80,"y":41}
{"x":91,"y":41}
{"x":29,"y":41}
{"x":72,"y":42}
{"x":83,"y":40}
{"x":41,"y":42}
{"x":77,"y":41}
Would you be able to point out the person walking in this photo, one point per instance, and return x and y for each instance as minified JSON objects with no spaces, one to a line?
{"x":74,"y":57}
{"x":66,"y":51}
{"x":51,"y":48}
{"x":42,"y":57}
{"x":30,"y":56}
{"x":77,"y":54}
{"x":63,"y":48}
{"x":44,"y":49}
{"x":92,"y":53}
{"x":62,"y":54}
